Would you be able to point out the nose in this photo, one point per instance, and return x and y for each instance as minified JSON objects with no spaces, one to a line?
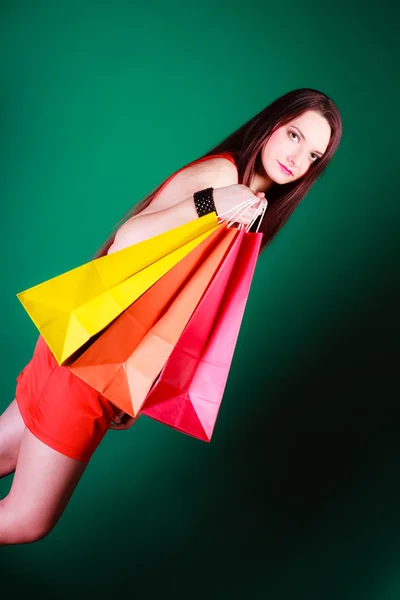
{"x":296,"y":160}
{"x":299,"y":156}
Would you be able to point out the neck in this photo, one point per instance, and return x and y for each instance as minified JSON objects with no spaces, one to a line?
{"x":260,"y":183}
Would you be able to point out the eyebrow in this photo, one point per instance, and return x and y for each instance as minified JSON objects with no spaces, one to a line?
{"x":302,"y":135}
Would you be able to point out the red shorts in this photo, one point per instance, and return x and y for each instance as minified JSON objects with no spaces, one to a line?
{"x":60,"y":409}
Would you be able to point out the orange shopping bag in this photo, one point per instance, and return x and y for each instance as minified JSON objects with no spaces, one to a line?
{"x":123,"y":363}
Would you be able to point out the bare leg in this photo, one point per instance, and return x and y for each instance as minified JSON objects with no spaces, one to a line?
{"x":43,"y":483}
{"x":11,"y":429}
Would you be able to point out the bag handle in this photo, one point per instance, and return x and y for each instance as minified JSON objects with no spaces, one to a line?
{"x":241,"y":209}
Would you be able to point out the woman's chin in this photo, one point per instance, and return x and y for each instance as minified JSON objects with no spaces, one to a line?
{"x":279,"y":178}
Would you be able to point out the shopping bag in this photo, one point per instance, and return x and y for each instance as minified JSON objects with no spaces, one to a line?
{"x":105,"y":358}
{"x":71,"y":308}
{"x":188,"y":392}
{"x":123,"y":363}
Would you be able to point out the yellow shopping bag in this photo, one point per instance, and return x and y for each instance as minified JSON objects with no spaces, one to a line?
{"x":71,"y":308}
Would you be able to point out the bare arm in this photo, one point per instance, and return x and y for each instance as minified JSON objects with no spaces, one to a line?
{"x":174,"y":206}
{"x":145,"y":226}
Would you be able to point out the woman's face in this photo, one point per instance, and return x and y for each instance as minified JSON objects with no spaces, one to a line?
{"x":295,"y":146}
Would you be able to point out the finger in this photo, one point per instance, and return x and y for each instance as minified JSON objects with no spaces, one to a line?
{"x":248,"y":215}
{"x":121,"y":426}
{"x":116,"y":422}
{"x":125,"y":422}
{"x":113,"y":426}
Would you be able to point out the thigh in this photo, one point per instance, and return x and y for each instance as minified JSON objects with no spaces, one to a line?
{"x":43,"y":483}
{"x":11,"y":429}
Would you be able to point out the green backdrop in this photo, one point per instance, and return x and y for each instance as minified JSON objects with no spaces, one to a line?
{"x":297,"y":495}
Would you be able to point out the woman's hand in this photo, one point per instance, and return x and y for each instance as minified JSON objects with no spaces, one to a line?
{"x":122,"y":420}
{"x":228,"y":197}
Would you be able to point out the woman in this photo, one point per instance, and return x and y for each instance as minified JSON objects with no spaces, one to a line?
{"x":51,"y":429}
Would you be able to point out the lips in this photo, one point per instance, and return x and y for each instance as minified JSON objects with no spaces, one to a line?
{"x":284,"y":169}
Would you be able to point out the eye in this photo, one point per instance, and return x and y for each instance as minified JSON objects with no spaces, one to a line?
{"x":292,"y":133}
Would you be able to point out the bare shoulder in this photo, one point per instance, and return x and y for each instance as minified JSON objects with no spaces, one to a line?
{"x":214,"y":172}
{"x":218,"y":168}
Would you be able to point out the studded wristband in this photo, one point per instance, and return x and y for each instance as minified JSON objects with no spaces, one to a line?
{"x":204,"y":202}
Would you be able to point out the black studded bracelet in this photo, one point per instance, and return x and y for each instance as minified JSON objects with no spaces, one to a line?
{"x":204,"y":202}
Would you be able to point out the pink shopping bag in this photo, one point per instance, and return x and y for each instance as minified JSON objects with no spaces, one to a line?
{"x":188,"y":392}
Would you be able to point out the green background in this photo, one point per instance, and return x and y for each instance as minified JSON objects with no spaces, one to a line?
{"x":297,"y":495}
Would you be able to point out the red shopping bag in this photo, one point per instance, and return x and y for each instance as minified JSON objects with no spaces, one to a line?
{"x":188,"y":392}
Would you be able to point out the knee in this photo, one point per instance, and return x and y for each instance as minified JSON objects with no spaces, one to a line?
{"x":30,"y":530}
{"x":28,"y":533}
{"x":15,"y":529}
{"x":23,"y":534}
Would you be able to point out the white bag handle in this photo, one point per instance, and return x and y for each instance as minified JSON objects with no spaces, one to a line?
{"x":241,"y":209}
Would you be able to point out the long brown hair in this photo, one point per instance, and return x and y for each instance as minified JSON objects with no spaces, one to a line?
{"x":246,"y":144}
